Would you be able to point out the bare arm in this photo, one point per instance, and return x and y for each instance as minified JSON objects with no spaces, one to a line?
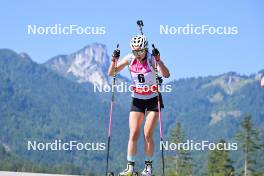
{"x":163,"y":69}
{"x":120,"y":66}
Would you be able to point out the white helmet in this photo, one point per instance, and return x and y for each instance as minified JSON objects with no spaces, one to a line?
{"x":139,"y":42}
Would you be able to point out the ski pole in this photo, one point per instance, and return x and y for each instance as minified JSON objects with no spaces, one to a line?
{"x":110,"y":115}
{"x":159,"y":113}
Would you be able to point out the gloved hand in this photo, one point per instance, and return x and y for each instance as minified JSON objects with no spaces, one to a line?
{"x":156,"y":54}
{"x":116,"y":54}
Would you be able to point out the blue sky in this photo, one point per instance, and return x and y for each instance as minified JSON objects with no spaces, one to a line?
{"x":185,"y":55}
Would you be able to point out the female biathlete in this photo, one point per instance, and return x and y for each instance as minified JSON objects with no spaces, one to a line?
{"x":144,"y":98}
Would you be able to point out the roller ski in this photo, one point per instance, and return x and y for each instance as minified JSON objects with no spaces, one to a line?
{"x":129,"y":171}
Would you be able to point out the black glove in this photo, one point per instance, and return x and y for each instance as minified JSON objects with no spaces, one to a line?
{"x":155,"y":52}
{"x":116,"y":53}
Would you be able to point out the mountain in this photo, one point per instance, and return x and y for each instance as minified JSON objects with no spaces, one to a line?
{"x":214,"y":102}
{"x":90,"y":64}
{"x":42,"y":104}
{"x":36,"y":104}
{"x":211,"y":108}
{"x":218,"y":98}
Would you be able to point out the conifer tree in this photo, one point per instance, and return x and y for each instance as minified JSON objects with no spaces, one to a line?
{"x":219,"y":162}
{"x":249,"y":142}
{"x":180,"y":163}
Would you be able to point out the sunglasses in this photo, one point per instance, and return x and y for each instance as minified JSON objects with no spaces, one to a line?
{"x":138,"y":52}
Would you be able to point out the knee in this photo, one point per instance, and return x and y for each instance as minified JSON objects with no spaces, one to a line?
{"x":134,"y":136}
{"x":148,"y":137}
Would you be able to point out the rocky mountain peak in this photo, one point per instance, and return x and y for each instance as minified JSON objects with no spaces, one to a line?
{"x":89,"y":64}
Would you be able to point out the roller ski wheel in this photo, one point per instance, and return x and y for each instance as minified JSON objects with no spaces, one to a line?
{"x":110,"y":174}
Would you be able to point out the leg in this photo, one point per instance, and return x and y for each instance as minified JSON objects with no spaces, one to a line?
{"x":149,"y":127}
{"x":151,"y":120}
{"x":135,"y":122}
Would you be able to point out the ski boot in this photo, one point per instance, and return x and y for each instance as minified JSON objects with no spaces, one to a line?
{"x":148,"y":169}
{"x":127,"y":171}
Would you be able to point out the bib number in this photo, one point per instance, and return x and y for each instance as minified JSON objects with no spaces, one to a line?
{"x":141,"y":78}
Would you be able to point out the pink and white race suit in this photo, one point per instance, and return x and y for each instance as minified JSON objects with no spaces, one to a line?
{"x":143,"y":77}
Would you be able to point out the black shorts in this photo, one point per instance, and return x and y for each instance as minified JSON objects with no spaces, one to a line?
{"x":141,"y":105}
